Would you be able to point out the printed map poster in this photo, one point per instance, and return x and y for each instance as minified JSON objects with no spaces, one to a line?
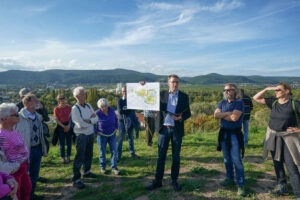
{"x":143,"y":97}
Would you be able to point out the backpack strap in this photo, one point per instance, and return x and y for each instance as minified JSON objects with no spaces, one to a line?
{"x":296,"y":115}
{"x":273,"y":104}
{"x":79,"y":110}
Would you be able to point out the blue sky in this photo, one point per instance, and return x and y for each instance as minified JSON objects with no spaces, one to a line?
{"x":239,"y":37}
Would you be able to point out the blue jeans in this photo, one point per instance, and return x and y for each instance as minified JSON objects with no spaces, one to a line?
{"x":122,"y":133}
{"x":246,"y":131}
{"x":35,"y":159}
{"x":102,"y":143}
{"x":63,"y":138}
{"x":233,"y":157}
{"x":164,"y":137}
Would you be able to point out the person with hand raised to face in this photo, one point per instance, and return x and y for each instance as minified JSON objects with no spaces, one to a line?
{"x":282,"y":136}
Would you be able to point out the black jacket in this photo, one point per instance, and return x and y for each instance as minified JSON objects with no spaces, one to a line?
{"x":183,"y":107}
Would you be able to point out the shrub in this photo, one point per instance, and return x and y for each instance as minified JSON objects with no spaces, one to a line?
{"x":203,"y":108}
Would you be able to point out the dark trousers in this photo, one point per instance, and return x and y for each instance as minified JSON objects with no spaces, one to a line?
{"x":122,"y":133}
{"x":64,"y":138}
{"x":164,"y":137}
{"x":35,"y":159}
{"x":84,"y":155}
{"x":291,"y":167}
{"x":150,"y":126}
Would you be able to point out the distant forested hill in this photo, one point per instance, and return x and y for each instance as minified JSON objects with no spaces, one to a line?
{"x":214,"y":78}
{"x":69,"y":77}
{"x":17,"y":77}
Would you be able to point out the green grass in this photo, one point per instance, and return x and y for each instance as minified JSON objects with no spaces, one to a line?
{"x":201,"y":169}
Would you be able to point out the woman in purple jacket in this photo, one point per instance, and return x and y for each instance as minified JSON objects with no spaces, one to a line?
{"x":106,"y":129}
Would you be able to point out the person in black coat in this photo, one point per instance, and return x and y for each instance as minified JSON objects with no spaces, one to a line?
{"x":174,"y":110}
{"x":127,"y":123}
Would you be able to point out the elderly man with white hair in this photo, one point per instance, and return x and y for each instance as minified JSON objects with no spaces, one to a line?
{"x":31,"y":128}
{"x":106,"y":133}
{"x":84,"y":118}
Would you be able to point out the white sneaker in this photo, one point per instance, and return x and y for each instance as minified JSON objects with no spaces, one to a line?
{"x":102,"y":171}
{"x":115,"y":171}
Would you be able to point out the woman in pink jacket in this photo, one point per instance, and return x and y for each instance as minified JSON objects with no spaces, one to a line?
{"x":14,"y":148}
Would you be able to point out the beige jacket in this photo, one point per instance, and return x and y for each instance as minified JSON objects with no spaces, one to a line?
{"x":24,"y":127}
{"x":291,"y":140}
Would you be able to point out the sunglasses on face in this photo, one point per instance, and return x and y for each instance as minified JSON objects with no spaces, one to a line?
{"x":61,"y":98}
{"x":227,"y":90}
{"x":277,"y":90}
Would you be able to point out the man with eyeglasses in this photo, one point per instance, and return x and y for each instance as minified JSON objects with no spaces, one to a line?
{"x":230,"y":139}
{"x":174,"y":110}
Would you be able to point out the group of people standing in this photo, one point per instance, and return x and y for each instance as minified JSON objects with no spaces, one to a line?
{"x":23,"y":143}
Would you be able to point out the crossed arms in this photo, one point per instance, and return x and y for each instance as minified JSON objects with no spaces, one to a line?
{"x":228,"y":116}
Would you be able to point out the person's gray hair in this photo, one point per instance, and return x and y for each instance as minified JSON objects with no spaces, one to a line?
{"x":237,"y":91}
{"x":102,"y":103}
{"x":24,"y":91}
{"x":77,"y":91}
{"x":6,"y":109}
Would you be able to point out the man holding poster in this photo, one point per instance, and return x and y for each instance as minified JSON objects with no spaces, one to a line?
{"x":174,"y":110}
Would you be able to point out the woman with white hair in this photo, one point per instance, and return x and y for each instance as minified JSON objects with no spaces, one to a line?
{"x":13,"y":145}
{"x":106,"y":133}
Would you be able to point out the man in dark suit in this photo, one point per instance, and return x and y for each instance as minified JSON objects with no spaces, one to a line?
{"x":174,"y":110}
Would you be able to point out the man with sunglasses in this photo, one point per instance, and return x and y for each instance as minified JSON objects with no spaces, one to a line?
{"x":230,"y":139}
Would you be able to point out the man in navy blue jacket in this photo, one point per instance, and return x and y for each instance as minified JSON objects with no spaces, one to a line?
{"x":174,"y":110}
{"x":127,"y":122}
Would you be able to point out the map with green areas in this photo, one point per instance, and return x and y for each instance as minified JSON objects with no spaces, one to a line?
{"x":143,"y":97}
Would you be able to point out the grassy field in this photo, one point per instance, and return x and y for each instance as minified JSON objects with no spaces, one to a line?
{"x":201,"y":171}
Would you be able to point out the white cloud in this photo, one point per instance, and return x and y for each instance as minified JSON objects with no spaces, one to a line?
{"x":137,"y":36}
{"x":184,"y":17}
{"x":270,"y":12}
{"x":223,"y":5}
{"x":160,"y":6}
{"x":36,"y":10}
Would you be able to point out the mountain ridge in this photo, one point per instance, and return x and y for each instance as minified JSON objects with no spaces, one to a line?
{"x":69,"y":77}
